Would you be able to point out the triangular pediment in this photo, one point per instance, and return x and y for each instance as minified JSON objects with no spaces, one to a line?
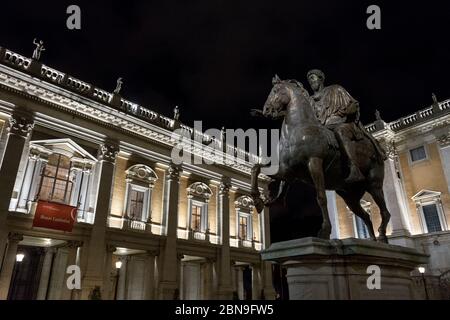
{"x":66,"y":145}
{"x":426,"y":194}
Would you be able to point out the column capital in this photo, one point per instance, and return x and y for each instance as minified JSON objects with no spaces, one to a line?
{"x":180,"y":256}
{"x":210,"y":259}
{"x":390,"y":148}
{"x":15,"y":237}
{"x":225,"y":186}
{"x":110,"y":248}
{"x":38,"y":152}
{"x":20,"y":124}
{"x":74,"y":244}
{"x":173,"y":172}
{"x":444,"y":140}
{"x":152,"y":253}
{"x":108,"y":151}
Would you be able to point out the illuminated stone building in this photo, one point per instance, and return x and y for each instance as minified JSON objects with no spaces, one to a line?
{"x":148,"y":229}
{"x":144,"y":227}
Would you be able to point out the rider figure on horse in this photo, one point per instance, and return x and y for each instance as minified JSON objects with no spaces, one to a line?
{"x":337,"y":110}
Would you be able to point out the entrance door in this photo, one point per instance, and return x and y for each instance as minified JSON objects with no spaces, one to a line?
{"x":191,"y":281}
{"x":26,"y":274}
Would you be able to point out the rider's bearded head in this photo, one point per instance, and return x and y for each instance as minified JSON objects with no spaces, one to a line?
{"x":316,"y":79}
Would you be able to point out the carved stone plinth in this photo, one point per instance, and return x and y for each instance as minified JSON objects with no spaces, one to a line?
{"x":338,"y":269}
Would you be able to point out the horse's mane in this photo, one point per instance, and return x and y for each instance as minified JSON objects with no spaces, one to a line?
{"x":299,"y":85}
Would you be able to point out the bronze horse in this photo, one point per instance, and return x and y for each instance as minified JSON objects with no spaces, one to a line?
{"x":309,"y":152}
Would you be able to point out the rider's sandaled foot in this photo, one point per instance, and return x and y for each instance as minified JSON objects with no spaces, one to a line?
{"x":355,"y":175}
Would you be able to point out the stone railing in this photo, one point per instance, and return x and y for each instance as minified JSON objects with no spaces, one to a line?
{"x":412,"y":119}
{"x":71,"y":83}
{"x":15,"y":59}
{"x":52,"y":74}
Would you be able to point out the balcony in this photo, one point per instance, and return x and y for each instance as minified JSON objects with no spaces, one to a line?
{"x":126,"y":223}
{"x":245,"y":243}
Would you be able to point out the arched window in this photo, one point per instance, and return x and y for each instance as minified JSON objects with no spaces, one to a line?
{"x":244,"y":208}
{"x":198,"y":195}
{"x":140,"y":181}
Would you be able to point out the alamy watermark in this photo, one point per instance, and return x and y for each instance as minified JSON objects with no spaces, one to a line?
{"x":226,"y":146}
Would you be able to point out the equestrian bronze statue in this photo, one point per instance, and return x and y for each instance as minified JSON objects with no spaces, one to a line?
{"x":323,"y":143}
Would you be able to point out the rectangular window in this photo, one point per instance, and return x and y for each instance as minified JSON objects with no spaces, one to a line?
{"x":196,"y":217}
{"x":431,"y":215}
{"x":243,"y":228}
{"x":56,"y":184}
{"x":418,"y":154}
{"x":136,"y":204}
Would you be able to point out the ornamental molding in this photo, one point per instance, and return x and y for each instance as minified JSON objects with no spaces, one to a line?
{"x":444,"y":140}
{"x":141,"y":173}
{"x":199,"y":190}
{"x":62,"y":99}
{"x":244,"y":203}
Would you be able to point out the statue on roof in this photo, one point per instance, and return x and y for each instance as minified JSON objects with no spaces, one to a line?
{"x":118,"y":86}
{"x":38,"y":50}
{"x":378,"y":116}
{"x":176,"y":113}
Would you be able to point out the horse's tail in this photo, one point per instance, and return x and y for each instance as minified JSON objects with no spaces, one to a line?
{"x":380,"y":152}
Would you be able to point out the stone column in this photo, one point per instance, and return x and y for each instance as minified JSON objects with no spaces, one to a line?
{"x":225,"y":290}
{"x":180,"y":276}
{"x":8,"y":264}
{"x":24,"y":194}
{"x":233,"y":277}
{"x":393,"y":194}
{"x":97,"y":246}
{"x":334,"y":215}
{"x":45,"y":274}
{"x":444,"y":148}
{"x":72,"y":246}
{"x":149,"y":281}
{"x":168,"y":277}
{"x":20,"y":126}
{"x":208,"y":279}
{"x":108,"y":291}
{"x":266,"y":267}
{"x":257,"y":284}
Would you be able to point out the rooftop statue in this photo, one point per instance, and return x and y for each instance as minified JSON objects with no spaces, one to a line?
{"x":176,"y":113}
{"x":38,"y":50}
{"x":118,"y":86}
{"x":323,"y":143}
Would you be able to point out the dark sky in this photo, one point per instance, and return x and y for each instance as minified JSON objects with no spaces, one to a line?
{"x":216,"y":58}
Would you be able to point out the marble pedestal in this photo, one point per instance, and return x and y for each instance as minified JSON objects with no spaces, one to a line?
{"x":320,"y":269}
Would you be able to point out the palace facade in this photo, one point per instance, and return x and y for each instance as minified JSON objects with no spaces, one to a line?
{"x":87,"y":180}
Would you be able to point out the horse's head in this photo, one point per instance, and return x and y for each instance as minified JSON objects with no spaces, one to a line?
{"x":280,"y":96}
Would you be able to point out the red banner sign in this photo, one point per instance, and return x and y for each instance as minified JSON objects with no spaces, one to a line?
{"x":54,"y":215}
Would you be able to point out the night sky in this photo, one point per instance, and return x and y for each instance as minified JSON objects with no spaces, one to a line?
{"x":216,"y":59}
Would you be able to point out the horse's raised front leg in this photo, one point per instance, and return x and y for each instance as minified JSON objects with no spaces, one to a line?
{"x":315,"y":168}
